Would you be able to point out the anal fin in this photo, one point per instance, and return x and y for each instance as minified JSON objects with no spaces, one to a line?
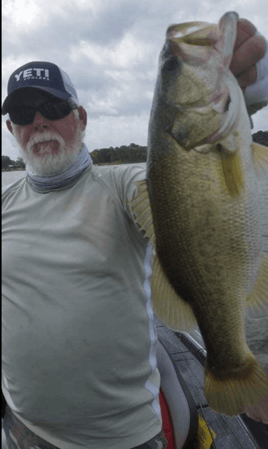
{"x":233,"y":173}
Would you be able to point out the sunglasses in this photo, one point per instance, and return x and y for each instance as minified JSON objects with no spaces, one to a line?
{"x":51,"y":111}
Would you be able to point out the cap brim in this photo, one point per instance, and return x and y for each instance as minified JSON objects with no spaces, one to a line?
{"x":54,"y":92}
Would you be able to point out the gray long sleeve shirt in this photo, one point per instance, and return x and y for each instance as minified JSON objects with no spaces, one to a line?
{"x":79,"y":364}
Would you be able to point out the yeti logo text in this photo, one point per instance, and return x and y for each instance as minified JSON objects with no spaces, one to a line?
{"x":29,"y":73}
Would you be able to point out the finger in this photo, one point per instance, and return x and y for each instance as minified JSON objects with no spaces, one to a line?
{"x":247,"y":78}
{"x":245,"y":30}
{"x":248,"y":54}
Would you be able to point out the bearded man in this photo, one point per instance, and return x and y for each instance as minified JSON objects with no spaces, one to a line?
{"x":79,"y":363}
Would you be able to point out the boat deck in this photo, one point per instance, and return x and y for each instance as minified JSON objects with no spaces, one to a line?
{"x":188,"y":355}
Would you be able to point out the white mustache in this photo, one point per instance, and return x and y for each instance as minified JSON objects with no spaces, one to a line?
{"x":44,"y":137}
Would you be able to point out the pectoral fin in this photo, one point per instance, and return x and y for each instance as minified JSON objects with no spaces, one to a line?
{"x":233,"y":173}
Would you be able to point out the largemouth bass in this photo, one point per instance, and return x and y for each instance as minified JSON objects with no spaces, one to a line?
{"x":199,"y":207}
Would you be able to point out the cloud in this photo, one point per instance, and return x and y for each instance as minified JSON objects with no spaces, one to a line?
{"x":110,"y":50}
{"x":117,"y":131}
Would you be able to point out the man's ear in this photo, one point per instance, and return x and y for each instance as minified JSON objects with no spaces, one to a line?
{"x":83,"y":116}
{"x":9,"y":126}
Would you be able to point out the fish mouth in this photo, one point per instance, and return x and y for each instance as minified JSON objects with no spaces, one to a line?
{"x":194,"y":42}
{"x":194,"y":33}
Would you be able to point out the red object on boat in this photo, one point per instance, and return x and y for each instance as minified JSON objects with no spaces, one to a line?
{"x":167,"y":423}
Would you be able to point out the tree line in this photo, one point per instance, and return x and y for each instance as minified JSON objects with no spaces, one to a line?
{"x":261,"y":137}
{"x":136,"y":153}
{"x":9,"y":164}
{"x":119,"y":155}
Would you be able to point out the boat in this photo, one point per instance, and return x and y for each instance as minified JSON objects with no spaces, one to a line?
{"x":188,"y":421}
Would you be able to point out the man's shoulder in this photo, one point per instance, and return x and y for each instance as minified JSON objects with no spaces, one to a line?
{"x":125,"y":173}
{"x":119,"y":169}
{"x":120,"y":180}
{"x":12,"y":187}
{"x":6,"y":188}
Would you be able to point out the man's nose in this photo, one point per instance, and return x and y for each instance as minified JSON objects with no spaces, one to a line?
{"x":40,"y":123}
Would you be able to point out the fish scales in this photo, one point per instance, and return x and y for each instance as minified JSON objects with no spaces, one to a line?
{"x":202,"y":210}
{"x":217,"y":266}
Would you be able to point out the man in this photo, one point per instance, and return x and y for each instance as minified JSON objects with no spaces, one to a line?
{"x":79,"y":365}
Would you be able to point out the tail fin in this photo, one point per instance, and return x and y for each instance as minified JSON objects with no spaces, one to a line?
{"x":246,"y":391}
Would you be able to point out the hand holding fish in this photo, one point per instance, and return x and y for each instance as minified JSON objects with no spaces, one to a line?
{"x":248,"y":50}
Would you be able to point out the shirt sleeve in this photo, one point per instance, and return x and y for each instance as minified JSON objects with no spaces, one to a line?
{"x":127,"y":188}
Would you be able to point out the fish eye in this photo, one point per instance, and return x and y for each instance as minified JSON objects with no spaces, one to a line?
{"x":171,"y":64}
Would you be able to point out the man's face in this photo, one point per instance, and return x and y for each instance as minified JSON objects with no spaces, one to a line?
{"x":49,"y":146}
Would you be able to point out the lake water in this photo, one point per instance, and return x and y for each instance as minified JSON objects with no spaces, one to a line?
{"x":256,"y":330}
{"x":8,"y":177}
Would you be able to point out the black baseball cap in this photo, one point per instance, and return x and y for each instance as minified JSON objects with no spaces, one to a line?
{"x":45,"y":76}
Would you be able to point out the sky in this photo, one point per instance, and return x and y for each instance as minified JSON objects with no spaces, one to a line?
{"x":110,"y":50}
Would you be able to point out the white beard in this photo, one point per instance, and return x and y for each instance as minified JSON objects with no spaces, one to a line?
{"x":50,"y":163}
